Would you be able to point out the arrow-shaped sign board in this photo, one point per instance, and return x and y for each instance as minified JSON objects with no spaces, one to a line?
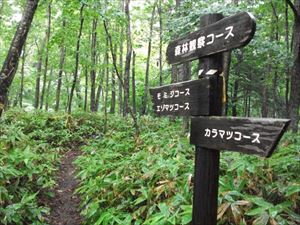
{"x":184,"y":99}
{"x":227,"y":34}
{"x":246,"y":135}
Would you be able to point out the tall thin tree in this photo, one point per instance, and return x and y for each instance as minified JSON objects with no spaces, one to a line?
{"x":295,"y":73}
{"x":10,"y":64}
{"x":146,"y":84}
{"x":133,"y":83}
{"x":48,"y":32}
{"x":60,"y":72}
{"x":128,"y":59}
{"x":22,"y":76}
{"x":93,"y":64}
{"x":75,"y":74}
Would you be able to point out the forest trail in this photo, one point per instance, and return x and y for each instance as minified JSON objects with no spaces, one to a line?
{"x":65,"y":204}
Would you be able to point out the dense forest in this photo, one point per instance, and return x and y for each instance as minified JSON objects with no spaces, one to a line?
{"x":79,"y":141}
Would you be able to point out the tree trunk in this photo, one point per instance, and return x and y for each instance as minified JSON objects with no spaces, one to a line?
{"x":60,"y":72}
{"x":99,"y":90}
{"x":47,"y":57}
{"x":86,"y":91}
{"x":78,"y":93}
{"x":114,"y":60}
{"x":113,"y":90}
{"x":75,"y":75}
{"x":38,"y":75}
{"x":295,"y":74}
{"x":276,"y":104}
{"x":146,"y":85}
{"x":265,"y":100}
{"x":67,"y":90}
{"x":22,"y":76}
{"x":48,"y":89}
{"x":106,"y":86}
{"x":186,"y":75}
{"x":9,"y":67}
{"x":235,"y":97}
{"x":287,"y":67}
{"x":128,"y":60}
{"x":133,"y":83}
{"x":160,"y":43}
{"x":93,"y":60}
{"x":120,"y":95}
{"x":226,"y":72}
{"x":240,"y":56}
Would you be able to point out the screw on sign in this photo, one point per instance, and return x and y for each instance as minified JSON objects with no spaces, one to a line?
{"x":202,"y":99}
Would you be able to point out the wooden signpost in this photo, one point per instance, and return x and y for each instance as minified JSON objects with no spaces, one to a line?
{"x":246,"y":135}
{"x":202,"y":99}
{"x":227,"y":34}
{"x":183,"y":99}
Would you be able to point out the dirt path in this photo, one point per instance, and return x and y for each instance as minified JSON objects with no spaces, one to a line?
{"x":65,"y":205}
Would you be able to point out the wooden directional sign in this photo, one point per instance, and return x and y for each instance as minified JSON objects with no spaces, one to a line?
{"x":184,"y":99}
{"x":227,"y":34}
{"x":246,"y":135}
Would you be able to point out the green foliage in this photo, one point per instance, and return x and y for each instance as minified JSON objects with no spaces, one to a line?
{"x":137,"y":181}
{"x":26,"y":169}
{"x":148,"y":181}
{"x":31,"y":145}
{"x":143,"y":181}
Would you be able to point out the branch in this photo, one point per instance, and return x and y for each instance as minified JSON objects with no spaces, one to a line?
{"x":120,"y":78}
{"x":296,"y":14}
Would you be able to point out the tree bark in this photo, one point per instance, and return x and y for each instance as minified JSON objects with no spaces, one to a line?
{"x":186,"y":73}
{"x":106,"y":85}
{"x":113,"y":90}
{"x":22,"y":76}
{"x":99,"y":90}
{"x":240,"y":56}
{"x":146,"y":85}
{"x":276,"y":104}
{"x":120,"y":95}
{"x":9,"y":67}
{"x":93,"y":64}
{"x":128,"y":60}
{"x":133,"y":83}
{"x":226,"y":70}
{"x":60,"y":72}
{"x":86,"y":90}
{"x":287,"y":76}
{"x":75,"y":75}
{"x":265,"y":98}
{"x":38,"y":75}
{"x":48,"y":90}
{"x":295,"y":74}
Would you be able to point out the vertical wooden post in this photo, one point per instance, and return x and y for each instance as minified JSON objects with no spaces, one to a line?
{"x":206,"y":179}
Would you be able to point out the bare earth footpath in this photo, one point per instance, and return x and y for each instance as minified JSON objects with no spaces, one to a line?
{"x":65,"y":204}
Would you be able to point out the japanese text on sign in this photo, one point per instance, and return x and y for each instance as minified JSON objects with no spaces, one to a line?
{"x":173,"y":94}
{"x":202,"y":41}
{"x":231,"y":135}
{"x":173,"y":107}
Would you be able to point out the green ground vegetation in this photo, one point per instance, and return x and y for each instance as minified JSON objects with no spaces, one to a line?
{"x":124,"y":180}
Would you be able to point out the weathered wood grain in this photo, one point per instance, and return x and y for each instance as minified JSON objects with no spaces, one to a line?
{"x":184,"y":98}
{"x":206,"y":176}
{"x":227,"y":34}
{"x":245,"y":135}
